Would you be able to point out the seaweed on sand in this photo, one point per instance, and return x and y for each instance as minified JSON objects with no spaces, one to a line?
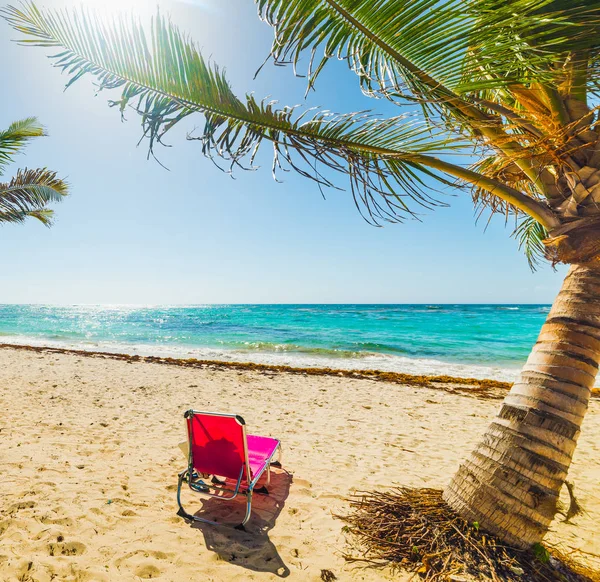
{"x":475,"y":387}
{"x":489,"y":389}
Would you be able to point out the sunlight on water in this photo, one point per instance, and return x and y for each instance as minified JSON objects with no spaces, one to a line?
{"x":465,"y":340}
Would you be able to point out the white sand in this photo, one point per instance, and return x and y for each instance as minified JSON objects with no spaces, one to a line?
{"x":89,"y":464}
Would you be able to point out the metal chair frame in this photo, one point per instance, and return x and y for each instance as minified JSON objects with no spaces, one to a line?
{"x":196,"y":481}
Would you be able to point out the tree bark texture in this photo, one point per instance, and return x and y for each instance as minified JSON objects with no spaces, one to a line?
{"x":511,"y":482}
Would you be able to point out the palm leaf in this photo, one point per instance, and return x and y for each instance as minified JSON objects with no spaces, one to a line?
{"x":28,"y":195}
{"x":13,"y":139}
{"x":429,"y":48}
{"x":17,"y":216}
{"x":530,"y":235}
{"x":373,"y":36}
{"x":165,"y":79}
{"x":506,"y":171}
{"x":549,"y":39}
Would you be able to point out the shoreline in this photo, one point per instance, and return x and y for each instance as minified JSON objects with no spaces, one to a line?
{"x":481,"y":388}
{"x":484,"y":388}
{"x":254,"y":352}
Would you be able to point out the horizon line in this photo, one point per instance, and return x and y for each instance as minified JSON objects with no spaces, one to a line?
{"x":211,"y":304}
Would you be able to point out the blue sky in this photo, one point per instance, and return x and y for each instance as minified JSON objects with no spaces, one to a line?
{"x":133,"y":232}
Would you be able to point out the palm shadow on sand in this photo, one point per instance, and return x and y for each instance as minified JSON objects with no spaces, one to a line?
{"x":251,"y":549}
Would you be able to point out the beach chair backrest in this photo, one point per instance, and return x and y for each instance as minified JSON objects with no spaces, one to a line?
{"x":217,"y":443}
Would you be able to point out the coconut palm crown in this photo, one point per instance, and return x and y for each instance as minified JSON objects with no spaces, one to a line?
{"x":513,"y":83}
{"x":27,"y":194}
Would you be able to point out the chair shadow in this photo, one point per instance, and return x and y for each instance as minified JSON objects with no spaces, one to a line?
{"x":251,"y":549}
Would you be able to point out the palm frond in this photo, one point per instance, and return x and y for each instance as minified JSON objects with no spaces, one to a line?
{"x":530,"y":235}
{"x":165,"y":79}
{"x":28,"y":195}
{"x":45,"y":216}
{"x":432,"y":49}
{"x":13,"y":139}
{"x":508,"y":172}
{"x":379,"y":40}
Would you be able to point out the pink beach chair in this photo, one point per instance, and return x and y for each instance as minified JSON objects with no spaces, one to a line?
{"x":219,"y":448}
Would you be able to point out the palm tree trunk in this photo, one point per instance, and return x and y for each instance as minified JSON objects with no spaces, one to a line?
{"x":511,"y":482}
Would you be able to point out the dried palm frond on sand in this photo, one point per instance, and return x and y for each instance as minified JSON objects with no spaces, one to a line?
{"x":415,"y":530}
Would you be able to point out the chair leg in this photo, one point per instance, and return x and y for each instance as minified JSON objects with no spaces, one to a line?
{"x":277,"y":463}
{"x":188,"y":516}
{"x":182,"y":512}
{"x":248,"y":509}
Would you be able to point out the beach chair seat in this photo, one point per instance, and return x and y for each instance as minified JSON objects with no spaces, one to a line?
{"x":219,"y":448}
{"x":260,"y":452}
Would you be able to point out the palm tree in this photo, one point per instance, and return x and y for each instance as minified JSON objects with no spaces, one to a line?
{"x":513,"y":83}
{"x":30,"y":191}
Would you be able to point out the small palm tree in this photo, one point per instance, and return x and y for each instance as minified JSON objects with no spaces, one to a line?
{"x":513,"y":83}
{"x":30,"y":191}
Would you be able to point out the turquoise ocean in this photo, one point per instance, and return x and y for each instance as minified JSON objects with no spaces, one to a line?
{"x":485,"y":341}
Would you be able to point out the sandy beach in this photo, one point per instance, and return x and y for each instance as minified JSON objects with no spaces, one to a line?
{"x":90,"y":459}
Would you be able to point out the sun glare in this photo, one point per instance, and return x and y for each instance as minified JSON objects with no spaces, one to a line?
{"x":109,"y":7}
{"x":142,"y":8}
